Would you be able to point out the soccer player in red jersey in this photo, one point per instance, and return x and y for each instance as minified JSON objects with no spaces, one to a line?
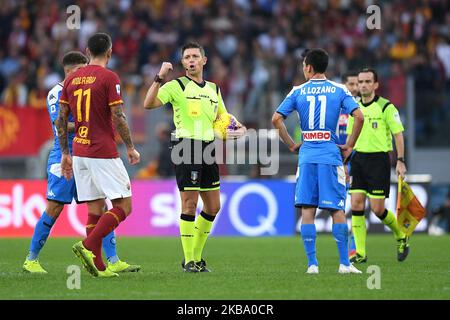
{"x":92,"y":94}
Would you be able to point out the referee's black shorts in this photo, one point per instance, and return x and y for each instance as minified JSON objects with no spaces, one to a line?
{"x":371,"y":174}
{"x":195,"y":172}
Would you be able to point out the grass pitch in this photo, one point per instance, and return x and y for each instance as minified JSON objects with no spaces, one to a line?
{"x":243,"y":268}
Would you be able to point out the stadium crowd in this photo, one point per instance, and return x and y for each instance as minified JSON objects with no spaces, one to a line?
{"x":254,"y":49}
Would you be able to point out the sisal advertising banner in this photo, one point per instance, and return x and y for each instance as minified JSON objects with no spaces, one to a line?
{"x":249,"y":208}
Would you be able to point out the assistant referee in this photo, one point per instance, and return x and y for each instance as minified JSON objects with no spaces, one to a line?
{"x":370,"y":173}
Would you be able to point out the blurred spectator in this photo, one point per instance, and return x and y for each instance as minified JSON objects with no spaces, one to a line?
{"x":396,"y":88}
{"x":440,"y":219}
{"x":443,"y":54}
{"x":38,"y":96}
{"x":15,"y":94}
{"x":258,"y":80}
{"x":11,"y":63}
{"x":403,"y":49}
{"x":88,"y":27}
{"x":162,"y":166}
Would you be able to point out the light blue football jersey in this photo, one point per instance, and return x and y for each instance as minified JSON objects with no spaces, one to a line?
{"x":319,"y":104}
{"x":53,"y":108}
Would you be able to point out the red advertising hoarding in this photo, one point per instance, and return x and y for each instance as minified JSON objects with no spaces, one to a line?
{"x":23,"y":131}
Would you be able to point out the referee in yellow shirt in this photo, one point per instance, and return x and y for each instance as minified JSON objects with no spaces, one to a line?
{"x":370,"y":165}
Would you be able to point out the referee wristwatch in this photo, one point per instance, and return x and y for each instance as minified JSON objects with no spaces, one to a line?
{"x":158,"y":79}
{"x":401,"y":159}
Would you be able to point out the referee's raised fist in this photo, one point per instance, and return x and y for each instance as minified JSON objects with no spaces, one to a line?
{"x":165,"y":68}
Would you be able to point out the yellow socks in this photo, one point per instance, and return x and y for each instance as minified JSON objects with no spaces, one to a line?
{"x":388,"y":219}
{"x":203,"y":225}
{"x":187,"y":230}
{"x":359,"y":231}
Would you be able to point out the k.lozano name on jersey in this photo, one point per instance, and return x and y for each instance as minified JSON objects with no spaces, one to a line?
{"x":318,"y":90}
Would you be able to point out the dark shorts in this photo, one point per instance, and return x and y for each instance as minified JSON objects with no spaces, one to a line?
{"x":371,"y":174}
{"x":193,"y":171}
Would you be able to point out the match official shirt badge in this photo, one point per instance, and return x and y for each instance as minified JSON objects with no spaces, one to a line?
{"x":194,"y":177}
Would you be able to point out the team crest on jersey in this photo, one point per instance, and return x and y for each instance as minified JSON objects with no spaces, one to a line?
{"x":118,"y":88}
{"x":194,"y":177}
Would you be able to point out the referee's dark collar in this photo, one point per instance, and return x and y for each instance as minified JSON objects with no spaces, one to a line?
{"x":201,"y":85}
{"x":375,"y":99}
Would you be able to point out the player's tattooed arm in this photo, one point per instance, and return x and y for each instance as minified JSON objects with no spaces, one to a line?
{"x":121,"y":125}
{"x":61,"y":125}
{"x":70,"y":126}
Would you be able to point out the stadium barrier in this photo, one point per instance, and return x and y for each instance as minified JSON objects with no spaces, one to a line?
{"x":249,"y":208}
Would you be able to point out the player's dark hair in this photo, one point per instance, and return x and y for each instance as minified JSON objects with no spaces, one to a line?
{"x":99,"y":44}
{"x":73,"y":58}
{"x":316,"y":58}
{"x":193,"y":45}
{"x":375,"y":74}
{"x":348,"y":74}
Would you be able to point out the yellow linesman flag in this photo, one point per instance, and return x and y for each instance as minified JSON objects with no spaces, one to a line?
{"x":409,"y":210}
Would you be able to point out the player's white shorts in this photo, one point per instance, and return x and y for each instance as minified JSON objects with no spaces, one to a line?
{"x":99,"y":178}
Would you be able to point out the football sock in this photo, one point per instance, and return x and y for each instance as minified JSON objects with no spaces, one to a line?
{"x":106,"y":224}
{"x":108,"y":242}
{"x":359,"y":231}
{"x":388,"y":219}
{"x":203,"y":225}
{"x":351,"y":245}
{"x":40,"y":235}
{"x":340,"y":233}
{"x":187,"y":230}
{"x":308,"y":232}
{"x":91,"y":223}
{"x":109,"y":246}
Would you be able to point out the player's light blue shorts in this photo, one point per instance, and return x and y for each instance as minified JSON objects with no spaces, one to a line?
{"x":320,"y":185}
{"x":58,"y":188}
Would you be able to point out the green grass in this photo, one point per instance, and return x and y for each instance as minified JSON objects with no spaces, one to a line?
{"x":243,"y":268}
